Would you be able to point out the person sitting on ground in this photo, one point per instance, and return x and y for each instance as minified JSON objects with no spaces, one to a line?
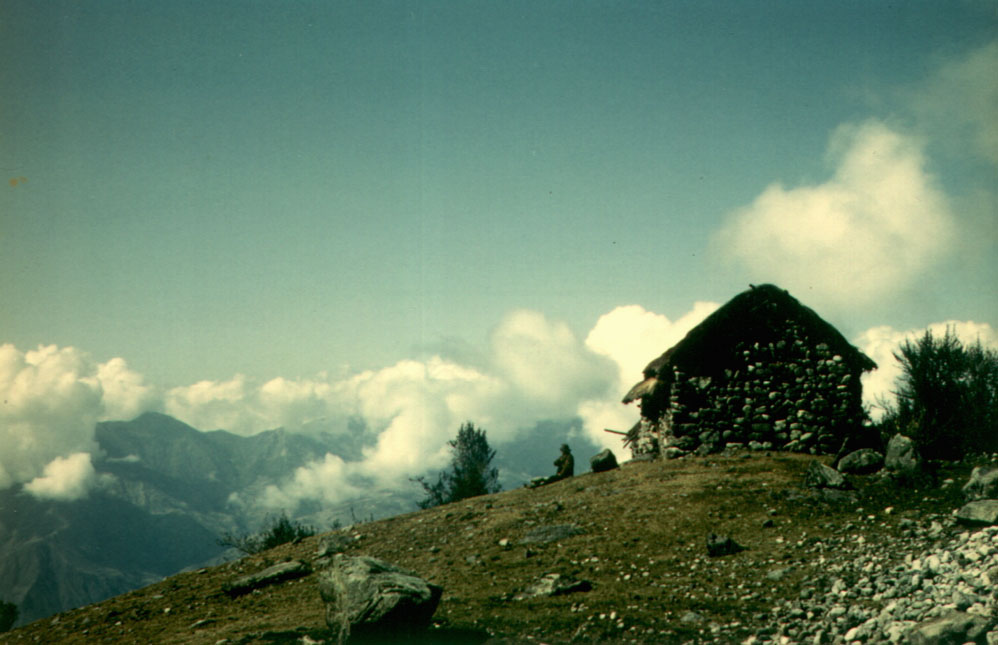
{"x":565,"y":464}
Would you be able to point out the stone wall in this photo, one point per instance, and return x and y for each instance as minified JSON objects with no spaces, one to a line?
{"x":787,"y":394}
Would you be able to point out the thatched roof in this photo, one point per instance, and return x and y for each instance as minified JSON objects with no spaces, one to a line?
{"x":756,"y":315}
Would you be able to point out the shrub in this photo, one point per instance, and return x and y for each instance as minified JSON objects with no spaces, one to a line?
{"x":8,"y":615}
{"x":470,"y":473}
{"x":947,"y":397}
{"x":280,"y":530}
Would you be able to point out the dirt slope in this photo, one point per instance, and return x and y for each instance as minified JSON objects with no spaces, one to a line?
{"x":642,"y":549}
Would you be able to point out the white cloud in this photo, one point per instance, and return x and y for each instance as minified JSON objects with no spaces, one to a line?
{"x":536,"y":369}
{"x":631,"y":337}
{"x":125,"y":394}
{"x":546,"y":364}
{"x":874,"y":227}
{"x":327,"y":480}
{"x":213,"y":405}
{"x":880,"y":343}
{"x":50,"y":400}
{"x":49,"y":408}
{"x":64,"y":479}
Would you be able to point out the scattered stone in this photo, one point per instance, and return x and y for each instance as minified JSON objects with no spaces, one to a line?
{"x":545,"y":534}
{"x":902,"y":456}
{"x":270,"y":576}
{"x":983,"y":512}
{"x":370,"y":598}
{"x":718,"y":545}
{"x":983,"y":484}
{"x":955,"y":628}
{"x":553,"y":584}
{"x":861,"y":462}
{"x":691,"y":617}
{"x":603,"y":461}
{"x":204,"y":622}
{"x":821,"y":476}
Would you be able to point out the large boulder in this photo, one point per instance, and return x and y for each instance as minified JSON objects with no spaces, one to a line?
{"x":953,"y":628}
{"x":983,"y":484}
{"x":603,"y":461}
{"x":819,"y":475}
{"x":861,"y":462}
{"x":270,"y":576}
{"x":983,"y":512}
{"x":367,"y":598}
{"x":902,"y":456}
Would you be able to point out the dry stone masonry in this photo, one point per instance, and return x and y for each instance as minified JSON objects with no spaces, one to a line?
{"x":762,"y":371}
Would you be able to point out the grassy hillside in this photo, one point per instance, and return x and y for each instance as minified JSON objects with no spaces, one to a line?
{"x":642,"y":548}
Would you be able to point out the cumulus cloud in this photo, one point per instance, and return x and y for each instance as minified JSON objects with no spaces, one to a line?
{"x":64,"y":479}
{"x":546,"y":364}
{"x":631,"y":337}
{"x":880,"y":343}
{"x":536,"y":369}
{"x":50,"y":400}
{"x":874,"y":227}
{"x":627,"y":334}
{"x":327,"y":480}
{"x":125,"y":393}
{"x":213,"y":405}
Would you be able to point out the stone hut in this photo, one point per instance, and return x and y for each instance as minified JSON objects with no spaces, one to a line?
{"x":763,"y":371}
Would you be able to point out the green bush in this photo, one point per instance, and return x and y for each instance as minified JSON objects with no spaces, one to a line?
{"x":8,"y":615}
{"x":947,"y":397}
{"x":279,"y":530}
{"x":470,"y":473}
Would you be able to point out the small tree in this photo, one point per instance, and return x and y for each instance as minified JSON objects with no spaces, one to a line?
{"x":947,"y":396}
{"x":470,"y":473}
{"x":280,"y":530}
{"x":8,"y":615}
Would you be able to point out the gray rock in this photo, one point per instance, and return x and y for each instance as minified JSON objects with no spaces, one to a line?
{"x":553,"y":584}
{"x":719,"y":545}
{"x":821,"y":476}
{"x":332,"y":544}
{"x":983,"y":484}
{"x":861,"y":462}
{"x":545,"y":534}
{"x":603,"y":461}
{"x":955,"y":628}
{"x":691,"y":617}
{"x":370,"y":598}
{"x":983,"y":512}
{"x":902,"y":456}
{"x":269,"y":576}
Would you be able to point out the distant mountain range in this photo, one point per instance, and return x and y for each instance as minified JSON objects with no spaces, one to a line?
{"x":171,"y":497}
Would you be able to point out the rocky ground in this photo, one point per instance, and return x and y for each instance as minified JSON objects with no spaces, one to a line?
{"x":628,"y":547}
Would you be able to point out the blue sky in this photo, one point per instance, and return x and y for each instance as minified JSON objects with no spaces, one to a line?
{"x":201,"y":192}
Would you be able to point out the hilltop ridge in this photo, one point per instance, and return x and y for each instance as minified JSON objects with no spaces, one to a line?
{"x":640,"y":543}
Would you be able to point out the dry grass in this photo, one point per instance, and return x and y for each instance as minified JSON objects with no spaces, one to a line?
{"x":642,"y":549}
